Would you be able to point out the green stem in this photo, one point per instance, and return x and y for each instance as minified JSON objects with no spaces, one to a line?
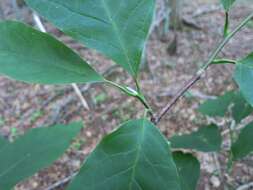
{"x":146,"y":111}
{"x":125,"y":90}
{"x":142,"y":99}
{"x":225,"y":41}
{"x":141,"y":96}
{"x":226,"y":26}
{"x":130,"y":92}
{"x":137,"y":85}
{"x":223,"y":61}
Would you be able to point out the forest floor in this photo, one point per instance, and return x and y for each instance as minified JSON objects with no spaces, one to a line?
{"x":24,"y":106}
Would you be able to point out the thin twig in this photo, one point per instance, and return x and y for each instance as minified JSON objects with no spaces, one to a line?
{"x":193,"y":93}
{"x":61,"y":182}
{"x":74,"y":86}
{"x":198,"y":75}
{"x":179,"y":94}
{"x":38,"y":23}
{"x":79,"y":94}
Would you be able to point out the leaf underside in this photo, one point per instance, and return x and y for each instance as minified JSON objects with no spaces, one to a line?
{"x":118,"y":29}
{"x":35,"y":57}
{"x":134,"y":157}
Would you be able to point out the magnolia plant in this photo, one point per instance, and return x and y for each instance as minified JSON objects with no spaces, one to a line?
{"x":136,"y":156}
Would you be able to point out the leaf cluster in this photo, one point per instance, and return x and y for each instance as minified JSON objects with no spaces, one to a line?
{"x":136,"y":155}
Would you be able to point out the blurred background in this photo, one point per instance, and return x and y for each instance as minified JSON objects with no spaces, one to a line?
{"x":182,"y":36}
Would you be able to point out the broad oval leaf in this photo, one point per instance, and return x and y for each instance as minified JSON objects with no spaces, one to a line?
{"x":206,"y":139}
{"x":37,"y":149}
{"x":134,"y":157}
{"x":35,"y":57}
{"x":227,"y":4}
{"x":244,"y":144}
{"x":116,"y":28}
{"x":232,"y":100}
{"x":218,"y":106}
{"x":188,"y":168}
{"x":241,"y":108}
{"x":244,"y":77}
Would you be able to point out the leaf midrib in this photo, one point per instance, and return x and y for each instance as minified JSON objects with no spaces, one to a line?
{"x":33,"y":59}
{"x":137,"y":155}
{"x":15,"y":165}
{"x":28,"y":155}
{"x":117,"y":33}
{"x":79,"y":13}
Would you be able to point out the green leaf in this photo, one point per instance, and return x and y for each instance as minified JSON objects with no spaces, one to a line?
{"x":206,"y":139}
{"x":218,"y":106}
{"x":244,"y":144}
{"x":241,"y":108}
{"x":227,"y":4}
{"x":135,"y":156}
{"x":188,"y":168}
{"x":35,"y":57}
{"x":3,"y":142}
{"x":35,"y":150}
{"x":118,"y":29}
{"x":244,"y":76}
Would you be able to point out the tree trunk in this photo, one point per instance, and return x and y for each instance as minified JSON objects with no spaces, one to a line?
{"x":20,"y":3}
{"x":175,"y":14}
{"x":175,"y":23}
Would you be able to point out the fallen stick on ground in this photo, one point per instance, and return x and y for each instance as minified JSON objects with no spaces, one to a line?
{"x":74,"y":86}
{"x":61,"y":182}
